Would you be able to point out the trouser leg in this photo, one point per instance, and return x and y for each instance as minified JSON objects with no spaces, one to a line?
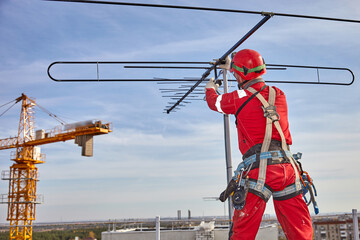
{"x":294,"y":217}
{"x":246,"y":222}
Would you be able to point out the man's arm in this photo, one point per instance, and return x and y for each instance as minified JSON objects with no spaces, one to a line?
{"x":211,"y":98}
{"x":224,"y":103}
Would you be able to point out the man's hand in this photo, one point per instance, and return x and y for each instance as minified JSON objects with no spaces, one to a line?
{"x":211,"y":84}
{"x":227,"y":64}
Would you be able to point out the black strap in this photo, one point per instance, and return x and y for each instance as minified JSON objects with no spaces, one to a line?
{"x":246,"y":102}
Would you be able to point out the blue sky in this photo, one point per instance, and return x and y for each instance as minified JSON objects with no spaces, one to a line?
{"x":155,"y":163}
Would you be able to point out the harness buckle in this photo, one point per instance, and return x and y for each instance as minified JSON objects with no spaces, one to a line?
{"x":270,"y":112}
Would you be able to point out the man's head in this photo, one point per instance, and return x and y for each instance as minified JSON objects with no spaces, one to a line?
{"x":247,"y":65}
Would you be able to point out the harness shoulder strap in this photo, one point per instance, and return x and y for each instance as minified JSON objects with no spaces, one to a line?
{"x":272,"y":117}
{"x":246,"y":102}
{"x":268,"y":133}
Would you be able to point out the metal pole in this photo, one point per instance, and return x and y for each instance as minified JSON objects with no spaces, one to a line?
{"x":157,"y":227}
{"x":227,"y":144}
{"x":355,"y":224}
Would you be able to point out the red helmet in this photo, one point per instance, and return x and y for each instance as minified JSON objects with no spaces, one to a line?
{"x":248,"y":64}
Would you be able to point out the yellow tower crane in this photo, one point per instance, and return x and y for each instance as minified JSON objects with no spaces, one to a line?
{"x":23,"y":175}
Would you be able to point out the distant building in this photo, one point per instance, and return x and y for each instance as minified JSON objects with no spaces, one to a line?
{"x":337,"y":227}
{"x":205,"y":231}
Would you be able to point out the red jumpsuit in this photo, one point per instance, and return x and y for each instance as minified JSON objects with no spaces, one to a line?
{"x":292,"y":213}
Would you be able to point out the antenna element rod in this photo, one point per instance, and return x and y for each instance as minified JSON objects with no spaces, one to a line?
{"x":208,"y":9}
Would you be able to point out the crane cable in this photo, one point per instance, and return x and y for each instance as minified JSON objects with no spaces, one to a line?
{"x":62,"y":122}
{"x":15,"y":101}
{"x":41,"y":108}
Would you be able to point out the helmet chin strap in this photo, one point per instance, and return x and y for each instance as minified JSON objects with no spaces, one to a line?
{"x":247,"y":83}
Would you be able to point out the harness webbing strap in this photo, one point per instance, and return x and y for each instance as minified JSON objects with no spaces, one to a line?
{"x":265,"y":193}
{"x":269,"y":120}
{"x":267,"y":139}
{"x":272,"y":117}
{"x":287,"y":193}
{"x":246,"y":102}
{"x":251,"y":161}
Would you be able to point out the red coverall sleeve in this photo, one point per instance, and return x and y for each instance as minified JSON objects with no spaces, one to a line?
{"x":224,"y":103}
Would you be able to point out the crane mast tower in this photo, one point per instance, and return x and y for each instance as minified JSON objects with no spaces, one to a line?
{"x":22,"y":196}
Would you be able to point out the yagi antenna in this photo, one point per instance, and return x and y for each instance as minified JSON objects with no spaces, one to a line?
{"x":266,"y":17}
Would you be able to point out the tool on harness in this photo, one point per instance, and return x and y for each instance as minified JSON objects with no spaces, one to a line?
{"x":229,"y":189}
{"x":237,"y":189}
{"x":238,"y":197}
{"x":308,"y":183}
{"x":240,"y":193}
{"x":308,"y":186}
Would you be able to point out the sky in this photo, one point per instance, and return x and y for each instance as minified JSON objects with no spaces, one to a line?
{"x":153,"y":163}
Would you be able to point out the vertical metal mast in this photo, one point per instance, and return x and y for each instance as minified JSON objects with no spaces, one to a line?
{"x":355,"y":224}
{"x":227,"y":144}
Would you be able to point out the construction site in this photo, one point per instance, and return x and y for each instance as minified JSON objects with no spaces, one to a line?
{"x":115,"y":115}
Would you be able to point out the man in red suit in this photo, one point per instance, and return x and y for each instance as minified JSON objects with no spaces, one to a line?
{"x":268,"y":168}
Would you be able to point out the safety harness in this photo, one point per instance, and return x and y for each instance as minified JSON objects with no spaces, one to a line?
{"x":271,"y":152}
{"x":266,"y":157}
